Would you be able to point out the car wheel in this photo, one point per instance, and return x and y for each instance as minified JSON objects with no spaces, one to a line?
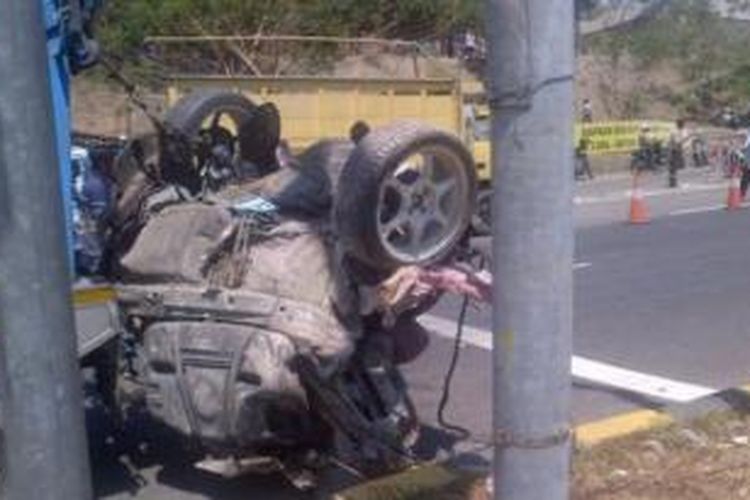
{"x":198,"y":110}
{"x":213,"y":119}
{"x":406,"y":196}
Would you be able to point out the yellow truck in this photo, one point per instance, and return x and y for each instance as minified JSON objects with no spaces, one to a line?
{"x":314,"y":106}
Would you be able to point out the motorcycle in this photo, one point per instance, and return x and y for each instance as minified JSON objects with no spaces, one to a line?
{"x":650,"y":156}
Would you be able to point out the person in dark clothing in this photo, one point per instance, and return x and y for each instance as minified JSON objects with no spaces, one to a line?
{"x":745,"y":177}
{"x":645,"y":157}
{"x":677,"y":143}
{"x":744,"y":165}
{"x":583,"y":166}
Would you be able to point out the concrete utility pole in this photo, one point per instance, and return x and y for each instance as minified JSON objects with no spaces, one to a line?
{"x":531,"y":66}
{"x":44,"y":453}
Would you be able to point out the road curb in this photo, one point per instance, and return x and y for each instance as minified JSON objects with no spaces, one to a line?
{"x":434,"y":478}
{"x":626,"y":424}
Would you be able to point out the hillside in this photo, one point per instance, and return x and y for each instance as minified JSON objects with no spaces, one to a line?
{"x":687,"y":59}
{"x":611,"y":14}
{"x":657,"y":59}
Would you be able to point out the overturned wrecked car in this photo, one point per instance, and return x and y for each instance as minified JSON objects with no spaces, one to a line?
{"x":267,"y":298}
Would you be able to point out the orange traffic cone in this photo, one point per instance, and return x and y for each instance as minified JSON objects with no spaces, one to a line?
{"x":734,"y":197}
{"x":638,"y":209}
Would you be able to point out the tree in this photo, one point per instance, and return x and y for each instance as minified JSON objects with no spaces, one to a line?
{"x":126,"y":22}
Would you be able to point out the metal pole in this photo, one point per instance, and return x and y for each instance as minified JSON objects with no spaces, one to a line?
{"x":531,"y":92}
{"x":45,"y":453}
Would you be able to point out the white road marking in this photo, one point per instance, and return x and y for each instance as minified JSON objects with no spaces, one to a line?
{"x":637,"y":382}
{"x":698,"y":210}
{"x":705,"y":209}
{"x":647,"y":193}
{"x":581,"y":265}
{"x":586,"y":369}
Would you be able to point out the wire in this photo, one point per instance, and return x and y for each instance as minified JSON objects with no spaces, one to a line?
{"x":521,"y":99}
{"x":131,"y":89}
{"x":461,"y":432}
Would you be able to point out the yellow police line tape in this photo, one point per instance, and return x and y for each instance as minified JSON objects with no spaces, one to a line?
{"x":618,"y":137}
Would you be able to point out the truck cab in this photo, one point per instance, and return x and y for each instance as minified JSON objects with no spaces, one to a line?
{"x":95,"y":307}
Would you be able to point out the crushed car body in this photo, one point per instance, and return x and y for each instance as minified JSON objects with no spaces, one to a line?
{"x":266,"y":298}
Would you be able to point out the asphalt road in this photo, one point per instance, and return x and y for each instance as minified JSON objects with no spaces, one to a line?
{"x":605,"y":200}
{"x":669,"y":299}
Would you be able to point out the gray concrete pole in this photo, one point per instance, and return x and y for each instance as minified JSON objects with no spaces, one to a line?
{"x":531,"y":65}
{"x":45,"y":453}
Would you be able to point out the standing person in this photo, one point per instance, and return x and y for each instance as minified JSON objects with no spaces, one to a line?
{"x":745,"y":165}
{"x":678,"y":141}
{"x":644,"y":158}
{"x":583,"y":166}
{"x":587,"y":111}
{"x":644,"y":136}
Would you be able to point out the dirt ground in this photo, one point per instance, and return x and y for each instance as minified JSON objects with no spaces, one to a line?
{"x":624,"y":90}
{"x":705,"y":460}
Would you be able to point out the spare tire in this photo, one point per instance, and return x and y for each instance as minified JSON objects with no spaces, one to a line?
{"x":406,"y":196}
{"x":190,"y":113}
{"x":190,"y":117}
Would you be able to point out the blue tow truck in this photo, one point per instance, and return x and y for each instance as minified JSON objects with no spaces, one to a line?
{"x":72,"y":49}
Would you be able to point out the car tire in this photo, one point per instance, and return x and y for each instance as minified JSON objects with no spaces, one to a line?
{"x":379,"y":167}
{"x":190,"y":112}
{"x":185,"y":120}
